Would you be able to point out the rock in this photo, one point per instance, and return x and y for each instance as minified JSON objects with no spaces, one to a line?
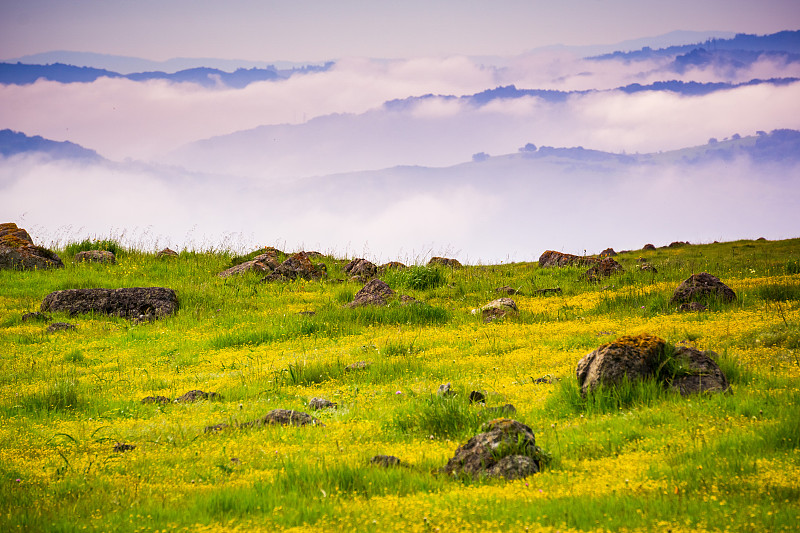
{"x":678,"y":244}
{"x":507,"y":290}
{"x":95,"y":256}
{"x":603,"y":269}
{"x":375,"y":292}
{"x":698,"y":372}
{"x":361,"y":270}
{"x":17,"y":251}
{"x":166,"y":252}
{"x":284,"y":417}
{"x":608,"y":252}
{"x":477,"y":397}
{"x":546,"y":380}
{"x":444,"y":261}
{"x":266,"y":262}
{"x":60,"y":326}
{"x":445,"y":390}
{"x":408,"y":300}
{"x":391,"y":265}
{"x":297,"y":266}
{"x":546,"y":292}
{"x":693,"y":306}
{"x":647,"y":267}
{"x":134,"y":302}
{"x":551,"y":258}
{"x":702,"y":287}
{"x":648,"y":247}
{"x":632,"y":356}
{"x":358,"y":365}
{"x":156,"y":399}
{"x":320,"y":403}
{"x":499,"y":308}
{"x":36,"y":317}
{"x":122,"y":447}
{"x":502,"y":410}
{"x":385,"y":460}
{"x":195,"y":395}
{"x":484,"y":453}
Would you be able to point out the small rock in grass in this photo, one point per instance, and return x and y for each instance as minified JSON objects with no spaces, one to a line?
{"x":156,"y":399}
{"x":385,"y":460}
{"x":122,"y":447}
{"x":60,"y":326}
{"x":195,"y":395}
{"x":320,"y":403}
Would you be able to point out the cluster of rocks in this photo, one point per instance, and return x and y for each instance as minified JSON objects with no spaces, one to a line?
{"x":635,"y":358}
{"x":132,"y":302}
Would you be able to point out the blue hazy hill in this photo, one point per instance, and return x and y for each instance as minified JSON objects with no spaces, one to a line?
{"x":13,"y":142}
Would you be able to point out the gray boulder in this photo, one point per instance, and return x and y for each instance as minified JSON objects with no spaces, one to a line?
{"x":133,"y":302}
{"x":633,"y":357}
{"x":297,"y":266}
{"x":551,"y":259}
{"x":698,"y":372}
{"x":375,"y":292}
{"x":499,"y":308}
{"x":95,"y":256}
{"x":701,"y":287}
{"x":266,"y":262}
{"x":361,"y":270}
{"x":506,"y":448}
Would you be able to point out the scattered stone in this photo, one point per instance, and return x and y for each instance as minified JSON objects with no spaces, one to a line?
{"x":649,"y":247}
{"x":358,"y":365}
{"x":507,"y":290}
{"x":216,"y":427}
{"x":444,"y":261}
{"x":445,"y":390}
{"x":700,"y":373}
{"x":195,"y":395}
{"x":297,"y":266}
{"x":95,"y":256}
{"x":60,"y":326}
{"x":266,"y":262}
{"x":477,"y":397}
{"x":551,"y":258}
{"x":284,"y":417}
{"x":122,"y":447}
{"x":320,"y":403}
{"x":36,"y":317}
{"x":156,"y":399}
{"x":693,"y":306}
{"x":633,"y":356}
{"x":498,"y":308}
{"x":545,"y":380}
{"x":647,"y":267}
{"x":497,"y":452}
{"x":678,"y":244}
{"x":502,"y":410}
{"x":701,"y":287}
{"x":608,"y":252}
{"x":17,"y":251}
{"x":408,"y":300}
{"x":166,"y":252}
{"x":391,"y":265}
{"x":375,"y":292}
{"x":546,"y":292}
{"x":133,"y":302}
{"x":385,"y":460}
{"x":361,"y":270}
{"x":603,"y":269}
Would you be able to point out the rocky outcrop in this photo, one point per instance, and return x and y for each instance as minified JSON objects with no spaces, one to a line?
{"x":603,"y":269}
{"x":266,"y":262}
{"x":132,"y":303}
{"x":551,"y":258}
{"x":361,"y":270}
{"x":17,"y":251}
{"x":701,"y":288}
{"x":95,"y":256}
{"x":297,"y":266}
{"x":506,"y":448}
{"x":444,"y":261}
{"x":499,"y":308}
{"x":697,"y":372}
{"x":375,"y":292}
{"x":683,"y":368}
{"x":634,"y":357}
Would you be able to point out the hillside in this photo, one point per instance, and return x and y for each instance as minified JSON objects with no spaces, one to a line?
{"x":82,"y":448}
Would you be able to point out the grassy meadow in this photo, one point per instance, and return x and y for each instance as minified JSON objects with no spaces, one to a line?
{"x":640,"y":459}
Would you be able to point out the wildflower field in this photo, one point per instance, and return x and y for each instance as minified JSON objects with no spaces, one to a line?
{"x":80,"y":451}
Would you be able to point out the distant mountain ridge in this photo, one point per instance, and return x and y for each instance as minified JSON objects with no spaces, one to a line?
{"x":22,"y":74}
{"x":13,"y":142}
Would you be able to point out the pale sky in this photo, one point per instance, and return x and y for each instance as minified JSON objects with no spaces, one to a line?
{"x":315,"y":30}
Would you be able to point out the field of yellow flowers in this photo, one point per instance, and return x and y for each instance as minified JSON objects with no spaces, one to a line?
{"x":80,"y":451}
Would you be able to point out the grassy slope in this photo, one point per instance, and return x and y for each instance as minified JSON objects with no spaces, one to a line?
{"x":658,"y":462}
